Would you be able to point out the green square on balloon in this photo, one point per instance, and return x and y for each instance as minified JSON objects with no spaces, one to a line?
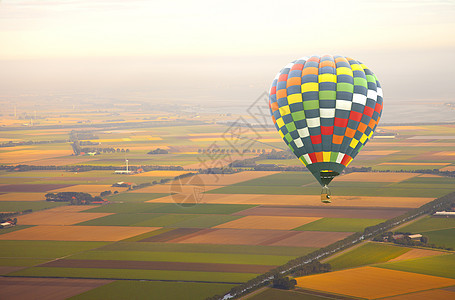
{"x":327,"y":95}
{"x":291,"y":127}
{"x":298,"y":115}
{"x":288,"y":137}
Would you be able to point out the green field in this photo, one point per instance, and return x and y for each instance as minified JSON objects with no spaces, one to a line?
{"x":429,"y":224}
{"x":196,"y":257}
{"x":170,"y":208}
{"x":444,"y":237}
{"x":17,"y":206}
{"x":45,"y":249}
{"x":367,"y":254}
{"x":340,"y":224}
{"x":208,"y":248}
{"x":205,"y":221}
{"x":21,"y":262}
{"x":155,"y":290}
{"x":120,"y":220}
{"x":135,"y":274}
{"x":135,"y":197}
{"x":441,"y":265}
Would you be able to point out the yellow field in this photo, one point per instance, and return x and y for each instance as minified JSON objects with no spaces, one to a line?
{"x":61,"y":161}
{"x":48,"y":217}
{"x":427,"y":295}
{"x":430,"y":176}
{"x":414,"y":164}
{"x":372,"y":283}
{"x":378,"y":152}
{"x":89,"y":188}
{"x":21,"y":156}
{"x":417,"y":253}
{"x":22,"y":197}
{"x":76,"y":233}
{"x":445,"y":153}
{"x":210,"y":139}
{"x":307,"y":200}
{"x":403,"y":128}
{"x":161,"y":173}
{"x":69,"y":208}
{"x":375,"y":177}
{"x":263,"y":222}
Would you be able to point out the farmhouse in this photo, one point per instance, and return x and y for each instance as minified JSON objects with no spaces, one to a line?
{"x":6,"y":224}
{"x":444,"y":214}
{"x":415,"y":236}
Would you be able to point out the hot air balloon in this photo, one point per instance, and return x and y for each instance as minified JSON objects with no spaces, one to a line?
{"x":325,"y":109}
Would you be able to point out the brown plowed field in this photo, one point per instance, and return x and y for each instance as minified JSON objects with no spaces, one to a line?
{"x":46,"y":288}
{"x":372,"y":283}
{"x":157,"y":265}
{"x":33,"y":188}
{"x":314,"y":239}
{"x":268,"y":222}
{"x":298,"y":200}
{"x":262,"y":237}
{"x":76,"y":233}
{"x":417,"y":253}
{"x":234,"y":236}
{"x":364,"y":213}
{"x":375,"y":177}
{"x":61,"y":218}
{"x":426,"y":295}
{"x":171,"y":235}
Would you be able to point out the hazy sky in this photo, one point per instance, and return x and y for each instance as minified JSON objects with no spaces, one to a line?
{"x":219,"y":51}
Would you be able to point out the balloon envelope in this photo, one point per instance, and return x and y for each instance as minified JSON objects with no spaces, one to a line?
{"x":326,"y":109}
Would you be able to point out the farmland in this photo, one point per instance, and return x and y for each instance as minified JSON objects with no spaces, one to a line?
{"x":373,"y":280}
{"x":367,"y":254}
{"x":239,"y":225}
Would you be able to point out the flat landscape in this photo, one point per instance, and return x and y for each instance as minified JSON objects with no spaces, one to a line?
{"x":191,"y":236}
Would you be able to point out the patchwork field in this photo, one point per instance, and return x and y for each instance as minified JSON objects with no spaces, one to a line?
{"x":267,"y":222}
{"x":234,"y":227}
{"x":301,"y":200}
{"x":416,"y":253}
{"x":374,"y":281}
{"x":439,"y":294}
{"x":50,"y":217}
{"x":22,"y":197}
{"x":367,"y":254}
{"x":170,"y":290}
{"x":441,"y":265}
{"x":75,"y":233}
{"x":47,"y":288}
{"x":375,"y":177}
{"x":321,"y":212}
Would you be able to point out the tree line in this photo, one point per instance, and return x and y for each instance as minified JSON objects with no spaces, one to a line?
{"x":74,"y":198}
